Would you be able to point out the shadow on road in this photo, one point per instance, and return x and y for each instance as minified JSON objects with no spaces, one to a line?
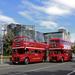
{"x":10,"y":62}
{"x":59,"y":72}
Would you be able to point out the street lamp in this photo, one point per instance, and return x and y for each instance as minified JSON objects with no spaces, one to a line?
{"x":3,"y":33}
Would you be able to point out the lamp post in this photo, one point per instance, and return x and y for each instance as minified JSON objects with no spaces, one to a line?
{"x":3,"y":33}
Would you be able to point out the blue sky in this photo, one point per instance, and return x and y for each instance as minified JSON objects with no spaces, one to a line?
{"x":46,"y":15}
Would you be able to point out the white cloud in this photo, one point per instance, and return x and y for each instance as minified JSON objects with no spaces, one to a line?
{"x":49,"y":24}
{"x":1,"y":12}
{"x":56,"y":10}
{"x":68,"y":3}
{"x":5,"y":19}
{"x":31,"y":6}
{"x":72,"y":37}
{"x":44,"y":14}
{"x":50,"y":7}
{"x":25,"y":14}
{"x":62,"y":27}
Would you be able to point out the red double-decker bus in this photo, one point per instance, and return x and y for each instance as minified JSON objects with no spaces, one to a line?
{"x":60,"y":50}
{"x":26,"y":50}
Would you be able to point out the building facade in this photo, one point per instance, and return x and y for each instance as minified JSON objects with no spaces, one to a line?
{"x":61,"y":33}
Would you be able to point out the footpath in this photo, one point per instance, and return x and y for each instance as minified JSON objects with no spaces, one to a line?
{"x":5,"y":61}
{"x":4,"y":64}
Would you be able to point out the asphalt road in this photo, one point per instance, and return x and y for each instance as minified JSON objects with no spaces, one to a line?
{"x":66,"y":68}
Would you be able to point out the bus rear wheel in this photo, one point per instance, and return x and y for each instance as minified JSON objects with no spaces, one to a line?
{"x":62,"y":59}
{"x":26,"y":61}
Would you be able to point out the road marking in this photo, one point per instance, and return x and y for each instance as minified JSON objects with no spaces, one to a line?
{"x":15,"y":66}
{"x":71,"y":72}
{"x":12,"y":67}
{"x":45,"y":67}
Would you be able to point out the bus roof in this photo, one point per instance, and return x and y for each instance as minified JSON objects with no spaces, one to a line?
{"x":21,"y":37}
{"x":56,"y":39}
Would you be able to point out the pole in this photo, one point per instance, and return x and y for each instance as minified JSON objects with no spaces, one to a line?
{"x":2,"y":47}
{"x":2,"y":53}
{"x":3,"y":33}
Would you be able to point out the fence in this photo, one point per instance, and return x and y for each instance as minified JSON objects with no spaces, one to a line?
{"x":5,"y":59}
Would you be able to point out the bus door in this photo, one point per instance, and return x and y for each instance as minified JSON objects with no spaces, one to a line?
{"x":66,"y":55}
{"x":44,"y":55}
{"x":39,"y":55}
{"x":34,"y":56}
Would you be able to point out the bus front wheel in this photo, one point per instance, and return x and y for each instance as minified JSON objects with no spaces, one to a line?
{"x":62,"y":59}
{"x":26,"y":61}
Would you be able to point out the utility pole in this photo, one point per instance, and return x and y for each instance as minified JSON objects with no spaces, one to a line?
{"x":2,"y":51}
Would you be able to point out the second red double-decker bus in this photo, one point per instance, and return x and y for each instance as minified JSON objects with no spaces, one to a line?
{"x":26,"y":50}
{"x":60,"y":50}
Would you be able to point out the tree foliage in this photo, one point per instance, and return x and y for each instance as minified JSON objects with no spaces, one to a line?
{"x":7,"y":42}
{"x":73,"y":48}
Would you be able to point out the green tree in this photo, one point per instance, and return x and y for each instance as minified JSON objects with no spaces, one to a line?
{"x":73,"y":48}
{"x":7,"y":42}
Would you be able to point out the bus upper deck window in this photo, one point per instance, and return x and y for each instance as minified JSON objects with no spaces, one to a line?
{"x":26,"y":51}
{"x":39,"y":52}
{"x":20,"y":51}
{"x":59,"y":52}
{"x":14,"y":50}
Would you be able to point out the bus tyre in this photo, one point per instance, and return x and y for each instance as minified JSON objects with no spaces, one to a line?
{"x":70,"y":59}
{"x":26,"y":61}
{"x":14,"y":63}
{"x":43,"y":60}
{"x":62,"y":59}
